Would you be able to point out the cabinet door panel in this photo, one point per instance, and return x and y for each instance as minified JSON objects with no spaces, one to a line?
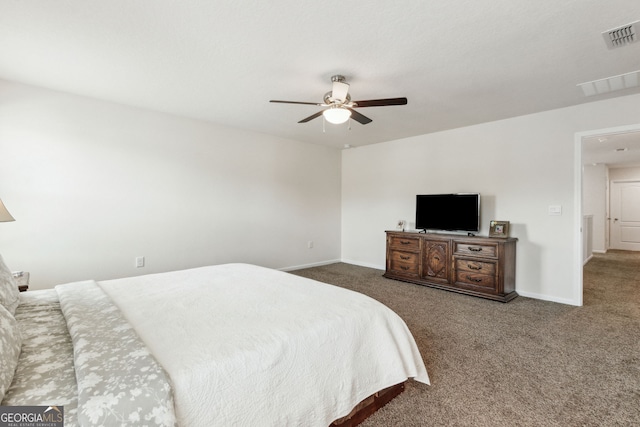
{"x":435,"y":264}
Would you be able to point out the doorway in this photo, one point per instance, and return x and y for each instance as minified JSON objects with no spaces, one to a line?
{"x":583,"y":157}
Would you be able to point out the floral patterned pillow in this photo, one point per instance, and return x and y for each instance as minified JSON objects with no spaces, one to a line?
{"x":9,"y":293}
{"x":10,"y":344}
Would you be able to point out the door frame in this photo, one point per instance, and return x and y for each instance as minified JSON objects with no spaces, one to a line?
{"x":577,"y":196}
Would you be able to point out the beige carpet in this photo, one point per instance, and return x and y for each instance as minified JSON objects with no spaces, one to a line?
{"x":524,"y":363}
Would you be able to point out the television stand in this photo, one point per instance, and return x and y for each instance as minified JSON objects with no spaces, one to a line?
{"x":479,"y":266}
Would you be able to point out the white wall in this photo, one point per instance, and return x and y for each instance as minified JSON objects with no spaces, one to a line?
{"x":520,"y":166}
{"x":594,"y":202}
{"x":624,"y":174}
{"x":92,"y":185}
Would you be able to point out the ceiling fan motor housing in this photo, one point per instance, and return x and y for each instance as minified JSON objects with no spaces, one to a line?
{"x":328,"y":99}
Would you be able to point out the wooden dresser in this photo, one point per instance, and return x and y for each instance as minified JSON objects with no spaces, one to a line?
{"x":479,"y":266}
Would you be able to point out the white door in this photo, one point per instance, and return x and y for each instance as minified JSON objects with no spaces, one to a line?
{"x":625,"y":216}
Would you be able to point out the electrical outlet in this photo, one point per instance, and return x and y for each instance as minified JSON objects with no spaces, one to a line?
{"x":310,"y":244}
{"x":139,"y":262}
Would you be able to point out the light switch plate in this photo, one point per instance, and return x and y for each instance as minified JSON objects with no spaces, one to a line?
{"x":555,"y":210}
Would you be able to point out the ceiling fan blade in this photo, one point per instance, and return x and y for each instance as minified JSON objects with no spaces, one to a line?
{"x":311,"y":117}
{"x":340,"y":91}
{"x":380,"y":102}
{"x":362,"y":119}
{"x":297,"y":102}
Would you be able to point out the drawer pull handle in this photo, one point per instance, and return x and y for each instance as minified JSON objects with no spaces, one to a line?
{"x":472,"y":249}
{"x":474,"y":279}
{"x":436,"y":258}
{"x":404,"y":267}
{"x":474,"y":267}
{"x":405,"y":257}
{"x":404,"y":242}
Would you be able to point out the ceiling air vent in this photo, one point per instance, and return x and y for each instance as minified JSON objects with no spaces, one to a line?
{"x":611,"y":84}
{"x":621,"y":36}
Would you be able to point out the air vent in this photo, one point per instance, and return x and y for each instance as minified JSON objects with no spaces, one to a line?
{"x":611,"y":84}
{"x":622,"y":36}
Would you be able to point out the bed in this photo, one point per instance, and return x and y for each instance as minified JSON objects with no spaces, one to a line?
{"x":231,"y":344}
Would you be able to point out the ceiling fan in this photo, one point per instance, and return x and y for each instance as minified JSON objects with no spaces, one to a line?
{"x":341,"y":107}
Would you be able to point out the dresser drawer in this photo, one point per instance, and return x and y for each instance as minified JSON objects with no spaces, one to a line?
{"x":469,"y":279}
{"x":475,"y":249}
{"x":405,"y":263}
{"x":405,"y":243}
{"x":475,"y":266}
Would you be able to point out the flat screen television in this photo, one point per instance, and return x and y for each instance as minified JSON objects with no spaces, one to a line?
{"x":448,"y":212}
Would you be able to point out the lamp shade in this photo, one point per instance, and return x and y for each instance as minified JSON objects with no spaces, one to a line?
{"x":5,"y":216}
{"x":336,"y":115}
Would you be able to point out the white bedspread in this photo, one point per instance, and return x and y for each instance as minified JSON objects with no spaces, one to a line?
{"x":250,"y":346}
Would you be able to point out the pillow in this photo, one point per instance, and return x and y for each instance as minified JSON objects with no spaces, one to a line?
{"x":10,"y":344}
{"x":9,"y":293}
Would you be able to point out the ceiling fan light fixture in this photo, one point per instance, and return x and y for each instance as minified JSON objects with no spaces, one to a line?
{"x":336,"y":115}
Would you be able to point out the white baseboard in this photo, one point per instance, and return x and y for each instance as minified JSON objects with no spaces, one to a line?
{"x":547,"y":298}
{"x":364,"y":264}
{"x":315,"y":264}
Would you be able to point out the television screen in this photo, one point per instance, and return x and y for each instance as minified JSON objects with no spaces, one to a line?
{"x":448,"y":212}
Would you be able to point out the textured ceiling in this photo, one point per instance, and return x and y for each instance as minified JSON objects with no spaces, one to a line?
{"x":458,"y":62}
{"x":616,"y":150}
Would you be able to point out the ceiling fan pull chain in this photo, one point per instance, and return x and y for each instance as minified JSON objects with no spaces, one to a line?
{"x":323,"y":122}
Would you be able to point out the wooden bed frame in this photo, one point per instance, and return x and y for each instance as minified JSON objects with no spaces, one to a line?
{"x":368,"y":406}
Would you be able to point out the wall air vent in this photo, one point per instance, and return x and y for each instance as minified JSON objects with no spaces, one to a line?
{"x":621,"y":36}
